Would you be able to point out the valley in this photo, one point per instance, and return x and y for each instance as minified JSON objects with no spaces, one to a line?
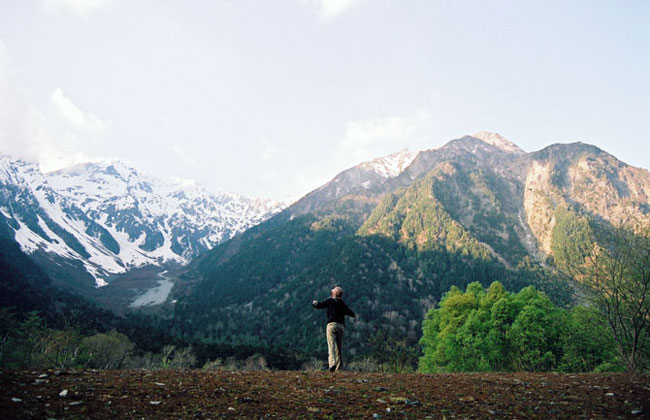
{"x":156,"y":295}
{"x":233,"y":275}
{"x":187,"y":189}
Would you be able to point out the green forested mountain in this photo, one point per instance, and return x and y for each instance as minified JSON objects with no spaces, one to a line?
{"x":477,"y":209}
{"x":396,"y":238}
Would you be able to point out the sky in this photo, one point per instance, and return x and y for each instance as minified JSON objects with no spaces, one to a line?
{"x":273,"y":98}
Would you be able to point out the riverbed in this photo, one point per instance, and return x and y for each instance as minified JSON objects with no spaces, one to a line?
{"x":155,"y":295}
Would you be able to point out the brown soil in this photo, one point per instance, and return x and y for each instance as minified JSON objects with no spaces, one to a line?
{"x":166,"y":394}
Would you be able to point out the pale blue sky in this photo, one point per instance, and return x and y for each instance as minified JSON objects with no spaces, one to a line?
{"x":273,"y":98}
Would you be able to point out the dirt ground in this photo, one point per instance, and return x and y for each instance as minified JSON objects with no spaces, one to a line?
{"x":191,"y":394}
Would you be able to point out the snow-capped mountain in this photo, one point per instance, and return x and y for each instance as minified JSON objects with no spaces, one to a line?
{"x":368,"y":178}
{"x":113,"y":218}
{"x":391,"y":165}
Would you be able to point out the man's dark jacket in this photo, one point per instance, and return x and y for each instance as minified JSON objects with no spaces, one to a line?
{"x":336,"y":310}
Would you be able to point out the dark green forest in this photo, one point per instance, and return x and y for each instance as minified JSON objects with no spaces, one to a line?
{"x":389,"y":284}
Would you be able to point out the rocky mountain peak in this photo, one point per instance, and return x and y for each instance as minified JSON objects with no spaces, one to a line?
{"x":499,"y":141}
{"x":391,"y":165}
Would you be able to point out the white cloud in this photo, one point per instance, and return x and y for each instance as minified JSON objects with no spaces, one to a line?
{"x":51,"y":157}
{"x":80,"y":7}
{"x":27,"y":132}
{"x":330,"y":9}
{"x":66,"y":136}
{"x":371,"y":138}
{"x":75,"y":115}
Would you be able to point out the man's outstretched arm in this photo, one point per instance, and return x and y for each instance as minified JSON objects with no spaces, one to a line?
{"x":319,"y":305}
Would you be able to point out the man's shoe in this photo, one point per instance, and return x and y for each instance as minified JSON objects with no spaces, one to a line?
{"x":332,"y":368}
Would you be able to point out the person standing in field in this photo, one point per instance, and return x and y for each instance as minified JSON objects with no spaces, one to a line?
{"x":336,"y":312}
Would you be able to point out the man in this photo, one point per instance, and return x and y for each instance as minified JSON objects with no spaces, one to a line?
{"x":336,"y":312}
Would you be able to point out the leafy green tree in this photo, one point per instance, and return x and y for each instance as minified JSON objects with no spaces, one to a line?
{"x":439,"y":342}
{"x":469,"y":346}
{"x":535,"y":334}
{"x":499,"y":331}
{"x":431,"y":347}
{"x":503,"y":313}
{"x":588,"y":343}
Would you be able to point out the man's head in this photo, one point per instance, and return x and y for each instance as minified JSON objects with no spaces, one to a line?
{"x":337,"y":292}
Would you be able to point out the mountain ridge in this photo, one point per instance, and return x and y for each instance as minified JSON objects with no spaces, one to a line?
{"x":113,"y":218}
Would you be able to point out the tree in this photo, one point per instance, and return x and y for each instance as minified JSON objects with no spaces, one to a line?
{"x":536,"y":333}
{"x":500,"y":331}
{"x":613,"y":263}
{"x":8,"y":325}
{"x":30,"y":340}
{"x":440,"y":326}
{"x":107,"y":351}
{"x":588,"y":344}
{"x":172,"y":357}
{"x":466,"y":333}
{"x":61,"y":348}
{"x":391,"y":351}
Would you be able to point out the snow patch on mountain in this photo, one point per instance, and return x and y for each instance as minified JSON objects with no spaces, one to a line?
{"x":391,"y":165}
{"x":112,"y":217}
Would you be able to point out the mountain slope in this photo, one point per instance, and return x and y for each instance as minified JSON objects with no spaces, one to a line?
{"x":456,"y":214}
{"x":353,"y":192}
{"x":25,"y":288}
{"x":585,"y":178}
{"x":110,"y":218}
